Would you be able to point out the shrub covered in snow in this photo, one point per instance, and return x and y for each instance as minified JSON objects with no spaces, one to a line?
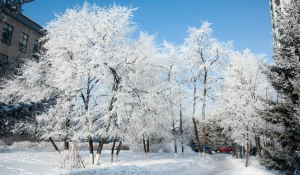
{"x":108,"y":146}
{"x":154,"y":148}
{"x":164,"y":148}
{"x":72,"y":160}
{"x":35,"y":146}
{"x":3,"y":146}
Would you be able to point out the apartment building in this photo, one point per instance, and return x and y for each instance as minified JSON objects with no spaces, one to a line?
{"x":277,"y":7}
{"x":19,"y":39}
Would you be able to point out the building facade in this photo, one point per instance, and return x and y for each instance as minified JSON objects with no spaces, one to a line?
{"x":19,"y":39}
{"x":277,"y":7}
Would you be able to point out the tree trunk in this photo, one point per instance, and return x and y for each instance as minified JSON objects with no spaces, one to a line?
{"x":66,"y":144}
{"x":174,"y":137}
{"x":258,"y":146}
{"x":241,"y":152}
{"x":54,"y":145}
{"x":175,"y":148}
{"x":173,"y":122}
{"x":86,"y":107}
{"x":66,"y":141}
{"x":112,"y":150}
{"x":197,"y":136}
{"x":99,"y":149}
{"x":193,"y":118}
{"x":102,"y":142}
{"x":91,"y":149}
{"x":236,"y":151}
{"x":233,"y":149}
{"x":203,"y":110}
{"x":204,"y":139}
{"x":180,"y":123}
{"x":148,"y":145}
{"x":247,"y":154}
{"x":118,"y":150}
{"x":144,"y":143}
{"x":248,"y":150}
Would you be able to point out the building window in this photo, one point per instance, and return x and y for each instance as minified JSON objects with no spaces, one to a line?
{"x":36,"y":49}
{"x":7,"y":33}
{"x":23,"y":42}
{"x":3,"y":64}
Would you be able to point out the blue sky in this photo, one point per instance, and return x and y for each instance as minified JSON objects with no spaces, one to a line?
{"x":246,"y":22}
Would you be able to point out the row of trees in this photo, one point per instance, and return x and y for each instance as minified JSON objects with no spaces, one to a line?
{"x":109,"y":84}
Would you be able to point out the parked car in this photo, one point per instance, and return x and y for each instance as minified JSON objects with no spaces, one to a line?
{"x":223,"y":150}
{"x":207,"y":148}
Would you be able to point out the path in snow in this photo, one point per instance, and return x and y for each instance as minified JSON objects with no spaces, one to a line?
{"x":223,"y":165}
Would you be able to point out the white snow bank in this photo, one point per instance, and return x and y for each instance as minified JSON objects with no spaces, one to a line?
{"x":254,"y":167}
{"x":28,"y":162}
{"x":159,"y":163}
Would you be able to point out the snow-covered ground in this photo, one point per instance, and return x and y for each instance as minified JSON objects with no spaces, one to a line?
{"x":31,"y":163}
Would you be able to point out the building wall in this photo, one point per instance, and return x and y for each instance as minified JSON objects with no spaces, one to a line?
{"x":277,"y":7}
{"x":20,"y":23}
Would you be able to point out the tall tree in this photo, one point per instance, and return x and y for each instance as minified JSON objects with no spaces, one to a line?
{"x":205,"y":56}
{"x":282,"y":151}
{"x":83,"y":47}
{"x":136,"y":107}
{"x":171,"y":57}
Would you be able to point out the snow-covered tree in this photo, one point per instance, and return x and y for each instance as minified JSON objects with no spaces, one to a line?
{"x":219,"y":138}
{"x":109,"y":85}
{"x":21,"y":114}
{"x":83,"y":46}
{"x":55,"y":123}
{"x":171,"y":58}
{"x":205,"y":56}
{"x":137,"y":103}
{"x":24,"y":90}
{"x":29,"y":85}
{"x":241,"y":97}
{"x":282,"y":152}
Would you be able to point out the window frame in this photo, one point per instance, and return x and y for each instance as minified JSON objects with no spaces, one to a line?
{"x":36,"y":48}
{"x":22,"y":46}
{"x":6,"y":28}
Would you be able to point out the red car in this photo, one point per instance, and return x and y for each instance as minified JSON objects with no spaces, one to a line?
{"x":223,"y":150}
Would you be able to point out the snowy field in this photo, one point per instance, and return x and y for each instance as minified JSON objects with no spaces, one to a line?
{"x":32,"y":163}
